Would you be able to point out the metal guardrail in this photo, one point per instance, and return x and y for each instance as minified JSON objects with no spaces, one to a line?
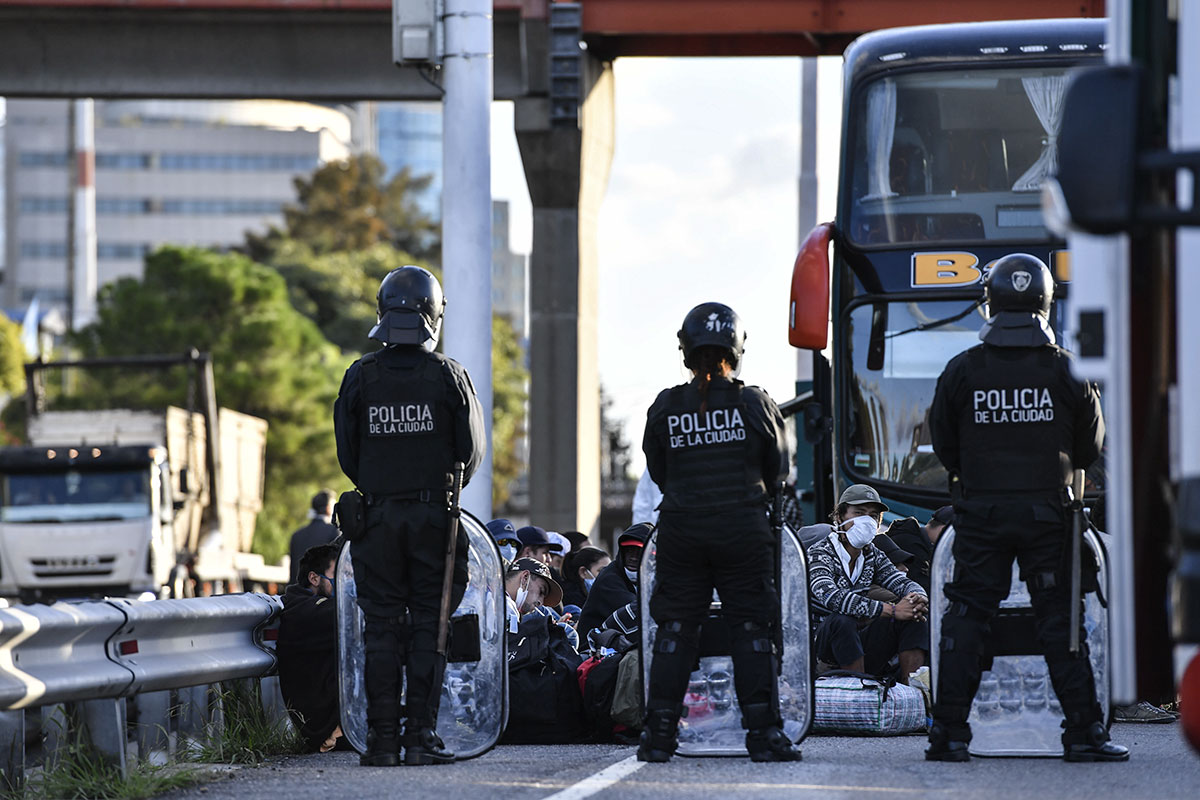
{"x":99,"y":653}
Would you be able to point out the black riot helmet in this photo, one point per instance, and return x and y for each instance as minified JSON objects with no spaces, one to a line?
{"x":712,"y":324}
{"x":1018,"y":290}
{"x":409,"y":307}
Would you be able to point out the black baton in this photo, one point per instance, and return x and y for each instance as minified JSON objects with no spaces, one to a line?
{"x":1077,"y":528}
{"x":451,"y":543}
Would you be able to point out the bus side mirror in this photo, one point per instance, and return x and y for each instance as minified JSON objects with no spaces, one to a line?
{"x":808,"y":309}
{"x":1095,"y":190}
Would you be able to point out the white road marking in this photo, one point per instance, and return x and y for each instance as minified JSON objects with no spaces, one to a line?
{"x":600,"y":781}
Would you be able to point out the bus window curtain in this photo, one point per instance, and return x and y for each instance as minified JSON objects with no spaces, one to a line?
{"x":881,"y":131}
{"x":1046,"y":96}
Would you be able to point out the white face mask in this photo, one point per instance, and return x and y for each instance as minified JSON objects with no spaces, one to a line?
{"x":860,"y":531}
{"x":522,"y":593}
{"x":632,"y":575}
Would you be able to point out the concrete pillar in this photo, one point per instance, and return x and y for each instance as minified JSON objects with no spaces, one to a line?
{"x":566,"y":169}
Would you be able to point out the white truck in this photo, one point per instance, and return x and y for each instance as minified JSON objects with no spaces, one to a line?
{"x":128,"y":502}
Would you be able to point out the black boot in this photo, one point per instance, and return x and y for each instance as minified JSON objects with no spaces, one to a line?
{"x":1091,"y":744}
{"x":659,"y":734}
{"x":947,"y":745}
{"x":765,"y":739}
{"x":423,"y":746}
{"x":383,"y":746}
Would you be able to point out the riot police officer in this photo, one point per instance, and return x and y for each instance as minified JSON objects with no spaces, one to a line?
{"x":404,"y":415}
{"x":717,"y":449}
{"x":1011,"y":423}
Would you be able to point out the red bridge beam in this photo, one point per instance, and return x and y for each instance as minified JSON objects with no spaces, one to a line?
{"x":784,"y":27}
{"x":530,"y":6}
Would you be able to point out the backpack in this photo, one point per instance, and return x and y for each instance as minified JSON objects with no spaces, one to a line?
{"x":599,"y":685}
{"x":544,"y":701}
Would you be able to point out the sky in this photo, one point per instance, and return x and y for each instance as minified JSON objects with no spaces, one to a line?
{"x":701,"y":206}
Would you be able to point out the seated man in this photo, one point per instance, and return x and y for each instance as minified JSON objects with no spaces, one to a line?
{"x":854,"y":631}
{"x":616,"y":585}
{"x":506,"y":539}
{"x":920,"y":541}
{"x":527,"y":587}
{"x":857,"y":499}
{"x":307,"y":651}
{"x":535,"y":544}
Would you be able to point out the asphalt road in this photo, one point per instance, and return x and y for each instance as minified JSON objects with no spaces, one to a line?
{"x":1161,"y":767}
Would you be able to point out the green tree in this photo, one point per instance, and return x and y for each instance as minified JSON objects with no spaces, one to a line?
{"x":12,"y":358}
{"x":349,"y":228}
{"x":350,"y":205}
{"x":268,"y":359}
{"x":510,"y":381}
{"x":12,"y":381}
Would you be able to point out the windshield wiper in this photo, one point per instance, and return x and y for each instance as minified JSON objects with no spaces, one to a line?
{"x":937,"y":323}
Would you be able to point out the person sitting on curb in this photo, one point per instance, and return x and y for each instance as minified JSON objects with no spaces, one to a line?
{"x":307,"y":651}
{"x":617,"y":584}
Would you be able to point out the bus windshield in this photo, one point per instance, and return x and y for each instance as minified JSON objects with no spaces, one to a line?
{"x":886,"y":437}
{"x":75,"y":495}
{"x":953,"y":155}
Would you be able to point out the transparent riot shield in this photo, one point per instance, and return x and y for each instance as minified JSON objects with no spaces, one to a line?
{"x":1015,"y":712}
{"x":474,"y":704}
{"x":713,"y":725}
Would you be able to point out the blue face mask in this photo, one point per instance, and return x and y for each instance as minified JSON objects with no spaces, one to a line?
{"x":508,"y":552}
{"x":332,"y":585}
{"x":588,"y":583}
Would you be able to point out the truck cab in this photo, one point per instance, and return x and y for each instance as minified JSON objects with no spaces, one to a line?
{"x":84,"y":521}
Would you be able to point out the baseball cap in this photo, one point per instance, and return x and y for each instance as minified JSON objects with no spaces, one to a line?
{"x":944,"y":515}
{"x":635,"y":535}
{"x":502,"y":529}
{"x":533,"y":536}
{"x":860,"y":494}
{"x":554,"y":595}
{"x":557,"y":538}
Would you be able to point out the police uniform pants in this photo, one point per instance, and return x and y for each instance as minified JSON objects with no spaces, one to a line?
{"x":730,"y":551}
{"x":988,"y":537}
{"x":398,"y":569}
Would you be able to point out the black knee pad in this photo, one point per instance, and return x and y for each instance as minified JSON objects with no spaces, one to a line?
{"x":676,"y":637}
{"x":751,"y":637}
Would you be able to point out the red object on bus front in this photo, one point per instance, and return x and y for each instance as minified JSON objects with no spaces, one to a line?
{"x":808,"y":309}
{"x":1189,"y":702}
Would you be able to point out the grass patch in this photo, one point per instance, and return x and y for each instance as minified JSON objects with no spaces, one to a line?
{"x":249,"y":735}
{"x":79,"y":773}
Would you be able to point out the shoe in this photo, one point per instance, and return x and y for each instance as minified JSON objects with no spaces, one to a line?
{"x":383,"y":747}
{"x":948,"y":743}
{"x":658,"y":740}
{"x":425,"y":747}
{"x":1142,"y":712}
{"x":949,"y":750}
{"x":771,"y":744}
{"x":1092,"y":744}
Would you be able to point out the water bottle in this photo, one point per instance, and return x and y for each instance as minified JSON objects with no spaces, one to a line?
{"x":1010,"y":685}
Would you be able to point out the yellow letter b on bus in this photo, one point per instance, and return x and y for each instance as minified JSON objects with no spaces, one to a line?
{"x":945,"y":269}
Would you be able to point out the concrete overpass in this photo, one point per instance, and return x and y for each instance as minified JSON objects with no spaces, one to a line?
{"x":341,"y":50}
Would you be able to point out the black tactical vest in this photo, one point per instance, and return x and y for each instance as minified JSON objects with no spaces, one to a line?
{"x":407,"y":440}
{"x":709,"y":460}
{"x":1016,"y":424}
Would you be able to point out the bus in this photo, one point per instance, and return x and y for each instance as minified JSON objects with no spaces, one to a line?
{"x":948,"y":133}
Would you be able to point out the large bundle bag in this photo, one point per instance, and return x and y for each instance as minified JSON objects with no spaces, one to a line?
{"x":855,"y":703}
{"x":544,"y":702}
